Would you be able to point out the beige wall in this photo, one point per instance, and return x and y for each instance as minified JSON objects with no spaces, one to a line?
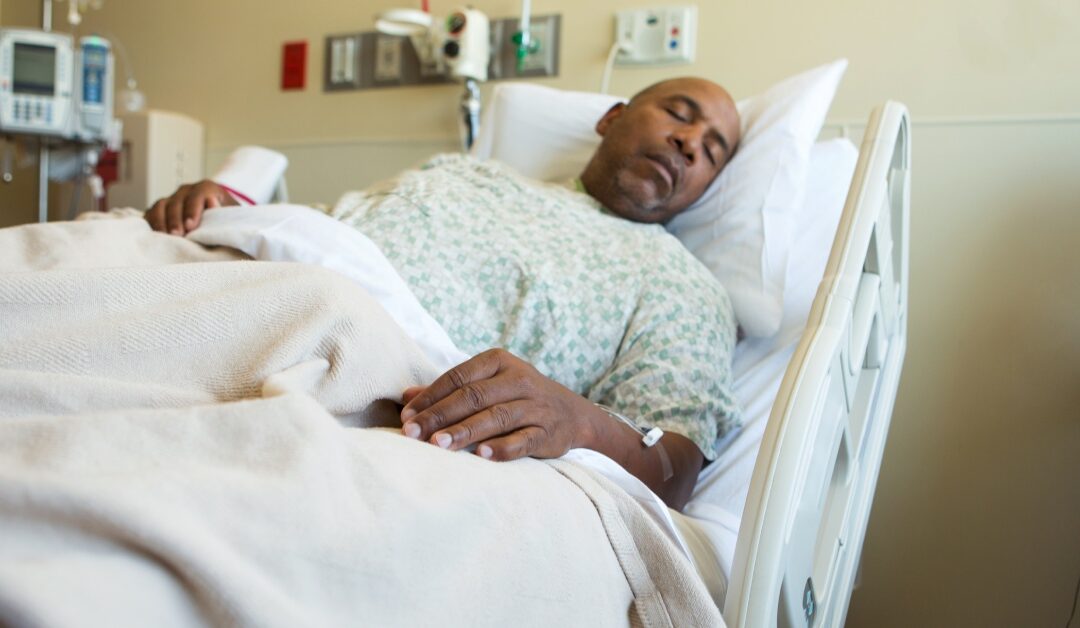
{"x":977,"y":517}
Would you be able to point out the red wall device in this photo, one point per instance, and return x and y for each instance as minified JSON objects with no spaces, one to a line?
{"x":293,"y":65}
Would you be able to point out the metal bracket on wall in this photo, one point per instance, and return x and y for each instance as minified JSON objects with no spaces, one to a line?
{"x":370,"y":60}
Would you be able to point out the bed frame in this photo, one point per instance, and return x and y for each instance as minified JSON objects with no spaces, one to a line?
{"x":809,"y":499}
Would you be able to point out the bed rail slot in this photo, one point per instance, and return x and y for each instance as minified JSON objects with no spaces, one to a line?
{"x":866,"y":347}
{"x":881,"y":260}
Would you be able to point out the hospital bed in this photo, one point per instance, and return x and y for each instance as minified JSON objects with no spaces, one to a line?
{"x":776,"y":535}
{"x":775,"y":526}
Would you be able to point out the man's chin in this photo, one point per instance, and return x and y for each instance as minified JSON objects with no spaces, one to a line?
{"x":642,"y":191}
{"x":640,"y":213}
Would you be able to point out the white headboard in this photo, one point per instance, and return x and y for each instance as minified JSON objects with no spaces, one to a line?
{"x":809,"y":500}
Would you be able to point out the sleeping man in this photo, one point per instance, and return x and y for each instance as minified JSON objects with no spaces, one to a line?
{"x":580,"y":310}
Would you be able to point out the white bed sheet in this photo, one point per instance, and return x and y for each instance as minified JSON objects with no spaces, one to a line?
{"x":709,"y":525}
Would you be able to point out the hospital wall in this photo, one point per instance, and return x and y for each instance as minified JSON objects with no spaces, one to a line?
{"x":977,"y":514}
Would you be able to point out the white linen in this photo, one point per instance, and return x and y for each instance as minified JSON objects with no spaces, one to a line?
{"x":167,"y":457}
{"x":85,"y":244}
{"x":294,"y":233}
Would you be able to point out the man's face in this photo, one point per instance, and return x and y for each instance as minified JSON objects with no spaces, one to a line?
{"x":661,"y":151}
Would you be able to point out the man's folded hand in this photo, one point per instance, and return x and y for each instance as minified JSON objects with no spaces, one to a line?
{"x":503,"y":406}
{"x":182,"y":212}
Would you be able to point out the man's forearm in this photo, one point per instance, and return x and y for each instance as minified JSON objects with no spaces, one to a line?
{"x":673,"y":480}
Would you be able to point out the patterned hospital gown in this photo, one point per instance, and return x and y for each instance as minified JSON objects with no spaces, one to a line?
{"x":617,"y":311}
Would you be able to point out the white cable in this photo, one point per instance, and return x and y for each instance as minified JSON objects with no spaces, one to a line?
{"x":128,"y":70}
{"x":605,"y":81}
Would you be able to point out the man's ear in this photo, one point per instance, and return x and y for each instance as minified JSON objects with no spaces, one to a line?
{"x":605,"y":121}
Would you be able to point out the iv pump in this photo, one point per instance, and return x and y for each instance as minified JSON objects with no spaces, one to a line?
{"x":59,"y":91}
{"x":51,"y":88}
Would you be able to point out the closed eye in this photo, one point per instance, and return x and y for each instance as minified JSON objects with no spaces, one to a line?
{"x":678,"y":116}
{"x":709,"y":154}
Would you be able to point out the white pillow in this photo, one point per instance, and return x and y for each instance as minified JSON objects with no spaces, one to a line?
{"x":741,"y":227}
{"x":543,"y":133}
{"x":829,"y":173}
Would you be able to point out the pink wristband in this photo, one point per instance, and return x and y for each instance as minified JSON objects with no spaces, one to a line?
{"x":240,"y":196}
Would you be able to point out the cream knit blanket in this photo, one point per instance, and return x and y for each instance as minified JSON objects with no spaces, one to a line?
{"x":176,"y":449}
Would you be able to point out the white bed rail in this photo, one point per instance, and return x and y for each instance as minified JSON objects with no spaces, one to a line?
{"x":809,"y":498}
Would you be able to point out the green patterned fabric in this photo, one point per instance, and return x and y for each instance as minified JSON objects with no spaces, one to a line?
{"x":615,"y":310}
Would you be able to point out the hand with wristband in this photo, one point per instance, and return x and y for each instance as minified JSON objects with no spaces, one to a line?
{"x":504,"y":409}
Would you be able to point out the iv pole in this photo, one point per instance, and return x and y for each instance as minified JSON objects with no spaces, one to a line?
{"x":43,"y":148}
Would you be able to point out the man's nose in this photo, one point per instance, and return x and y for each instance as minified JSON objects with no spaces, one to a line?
{"x":688,"y":141}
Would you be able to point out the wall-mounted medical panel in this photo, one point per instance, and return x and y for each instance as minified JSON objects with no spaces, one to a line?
{"x":657,"y":36}
{"x":372,"y":60}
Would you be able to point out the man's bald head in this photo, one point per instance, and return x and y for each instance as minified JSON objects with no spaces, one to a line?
{"x":661,"y":150}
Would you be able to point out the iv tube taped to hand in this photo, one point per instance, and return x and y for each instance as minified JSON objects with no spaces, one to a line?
{"x":650,"y":437}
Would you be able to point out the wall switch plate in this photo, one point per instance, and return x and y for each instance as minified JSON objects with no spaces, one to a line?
{"x":658,"y":36}
{"x":342,"y":66}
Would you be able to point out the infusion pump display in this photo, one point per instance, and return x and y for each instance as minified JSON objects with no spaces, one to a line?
{"x":48,"y":87}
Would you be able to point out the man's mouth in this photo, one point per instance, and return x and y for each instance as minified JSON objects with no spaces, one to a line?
{"x":667,"y":169}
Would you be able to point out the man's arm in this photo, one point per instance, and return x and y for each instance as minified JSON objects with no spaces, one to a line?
{"x":508,"y":410}
{"x":182,"y":212}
